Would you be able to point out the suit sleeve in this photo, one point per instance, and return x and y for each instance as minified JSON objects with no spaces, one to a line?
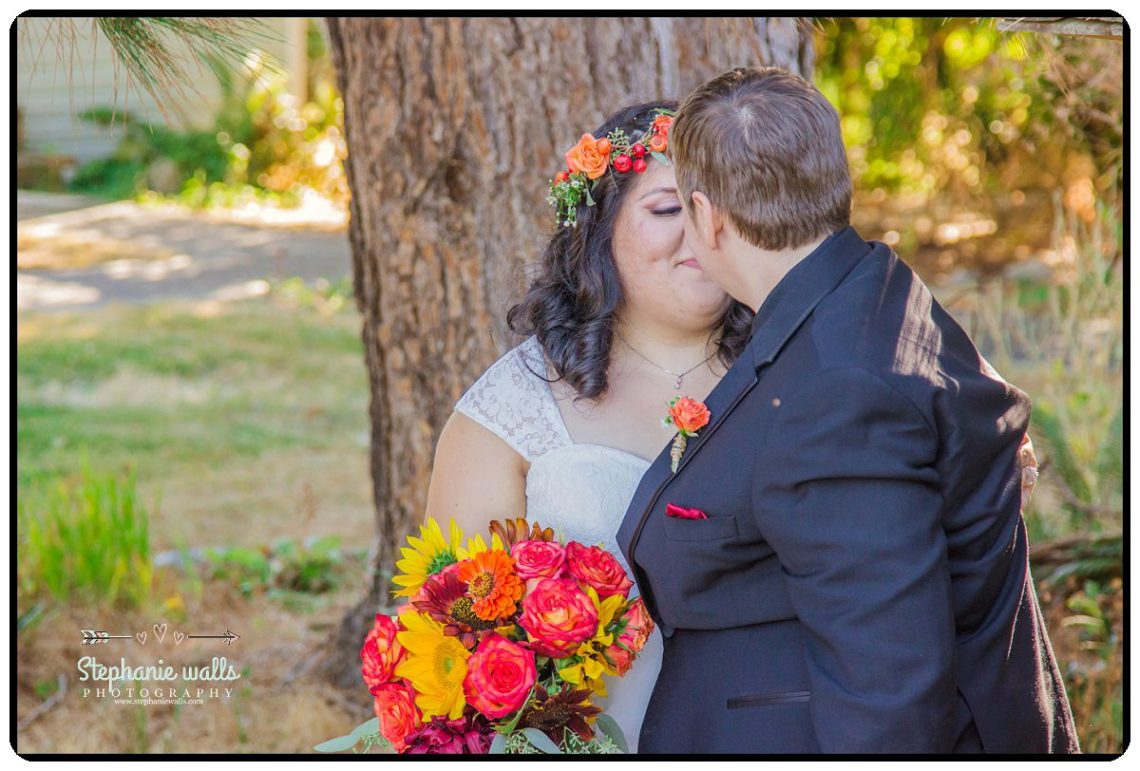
{"x":846,"y":493}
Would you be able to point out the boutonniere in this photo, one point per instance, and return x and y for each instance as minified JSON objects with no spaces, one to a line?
{"x":688,"y":416}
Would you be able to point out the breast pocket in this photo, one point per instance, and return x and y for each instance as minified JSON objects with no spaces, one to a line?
{"x":711,"y":529}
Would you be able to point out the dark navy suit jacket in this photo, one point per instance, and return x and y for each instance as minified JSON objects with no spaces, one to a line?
{"x":861,"y":583}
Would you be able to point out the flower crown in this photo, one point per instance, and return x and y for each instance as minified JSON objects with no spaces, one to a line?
{"x":590,"y":159}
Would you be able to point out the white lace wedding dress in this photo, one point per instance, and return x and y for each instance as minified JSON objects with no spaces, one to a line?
{"x":580,"y":490}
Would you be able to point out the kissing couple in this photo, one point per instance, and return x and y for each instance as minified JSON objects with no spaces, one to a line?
{"x":836,"y":561}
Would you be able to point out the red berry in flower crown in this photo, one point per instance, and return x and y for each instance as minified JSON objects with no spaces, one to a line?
{"x":640,"y":165}
{"x":624,"y":163}
{"x":637,"y":151}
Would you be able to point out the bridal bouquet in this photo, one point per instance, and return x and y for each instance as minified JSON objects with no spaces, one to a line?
{"x":500,"y":647}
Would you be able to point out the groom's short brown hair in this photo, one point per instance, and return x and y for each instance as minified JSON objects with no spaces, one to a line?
{"x":765,"y":146}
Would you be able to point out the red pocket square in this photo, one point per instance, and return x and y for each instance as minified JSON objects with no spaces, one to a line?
{"x":680,"y":512}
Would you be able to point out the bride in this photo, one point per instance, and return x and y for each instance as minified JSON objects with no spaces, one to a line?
{"x":620,"y":320}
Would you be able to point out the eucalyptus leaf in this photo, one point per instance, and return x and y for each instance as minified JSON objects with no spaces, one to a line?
{"x":498,"y":745}
{"x":661,"y":158}
{"x":541,"y":741}
{"x":589,"y":198}
{"x":367,"y":727}
{"x":339,"y":744}
{"x":607,"y":725}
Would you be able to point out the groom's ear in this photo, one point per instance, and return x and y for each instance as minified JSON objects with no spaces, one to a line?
{"x":707,"y":221}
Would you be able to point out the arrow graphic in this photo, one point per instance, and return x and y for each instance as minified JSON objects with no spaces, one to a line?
{"x":98,"y":636}
{"x":229,"y":636}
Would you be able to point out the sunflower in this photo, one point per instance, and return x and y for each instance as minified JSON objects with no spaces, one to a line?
{"x":429,"y":554}
{"x":492,"y":583}
{"x":436,"y":665}
{"x":589,"y":661}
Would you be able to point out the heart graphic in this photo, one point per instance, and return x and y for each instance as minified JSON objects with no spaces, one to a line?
{"x":141,"y":637}
{"x":178,"y":638}
{"x":159,"y":632}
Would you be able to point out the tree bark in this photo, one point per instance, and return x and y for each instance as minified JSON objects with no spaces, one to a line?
{"x":454,"y":127}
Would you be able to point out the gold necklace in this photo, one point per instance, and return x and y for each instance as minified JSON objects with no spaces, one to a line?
{"x":679,"y":375}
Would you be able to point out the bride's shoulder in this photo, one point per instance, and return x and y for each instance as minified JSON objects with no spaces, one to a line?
{"x":521,"y":369}
{"x":513,"y":399}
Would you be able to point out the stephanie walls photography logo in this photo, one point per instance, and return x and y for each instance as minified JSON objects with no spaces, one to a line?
{"x":161,"y":682}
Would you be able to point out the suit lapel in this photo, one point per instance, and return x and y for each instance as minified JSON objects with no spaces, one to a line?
{"x":786,"y":309}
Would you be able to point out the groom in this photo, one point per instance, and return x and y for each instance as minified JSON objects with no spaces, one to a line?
{"x":855,"y":576}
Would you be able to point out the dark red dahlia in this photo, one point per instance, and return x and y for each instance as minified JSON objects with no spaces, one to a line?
{"x":468,"y":735}
{"x":446,"y":601}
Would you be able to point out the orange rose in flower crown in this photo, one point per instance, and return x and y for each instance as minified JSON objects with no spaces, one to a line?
{"x":688,"y":416}
{"x":590,"y":156}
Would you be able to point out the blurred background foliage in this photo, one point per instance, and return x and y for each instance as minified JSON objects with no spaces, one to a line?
{"x":264,"y":146}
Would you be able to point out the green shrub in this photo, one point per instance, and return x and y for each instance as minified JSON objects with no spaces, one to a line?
{"x":88,"y":540}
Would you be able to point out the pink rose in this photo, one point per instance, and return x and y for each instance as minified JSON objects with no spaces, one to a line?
{"x":500,"y":674}
{"x":598,"y":568}
{"x":558,"y":616}
{"x":637,"y":628}
{"x":395,"y":706}
{"x":381,"y":652}
{"x":538,"y":559}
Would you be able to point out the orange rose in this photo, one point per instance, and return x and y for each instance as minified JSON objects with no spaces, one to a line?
{"x":590,"y":156}
{"x":558,"y":616}
{"x":662,"y":124}
{"x":658,"y":143}
{"x":395,"y":706}
{"x":598,"y":568}
{"x":500,"y":674}
{"x":631,"y":641}
{"x":689,"y":415}
{"x":381,"y":652}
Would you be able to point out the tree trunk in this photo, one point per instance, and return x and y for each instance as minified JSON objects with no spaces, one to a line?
{"x":454,"y":127}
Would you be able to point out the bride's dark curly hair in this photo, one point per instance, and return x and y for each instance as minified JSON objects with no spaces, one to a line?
{"x":570,"y":306}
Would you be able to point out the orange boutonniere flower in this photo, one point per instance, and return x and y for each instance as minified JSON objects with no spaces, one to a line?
{"x":689,"y":416}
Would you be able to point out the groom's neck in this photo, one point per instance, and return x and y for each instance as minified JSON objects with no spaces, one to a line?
{"x":760,"y":270}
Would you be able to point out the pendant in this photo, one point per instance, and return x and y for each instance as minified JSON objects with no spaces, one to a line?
{"x":677,"y":385}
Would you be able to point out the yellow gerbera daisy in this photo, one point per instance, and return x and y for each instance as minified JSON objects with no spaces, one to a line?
{"x":590,"y":661}
{"x":429,"y":554}
{"x":436,"y":664}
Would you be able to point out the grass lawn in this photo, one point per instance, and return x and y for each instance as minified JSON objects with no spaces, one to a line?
{"x":243,"y":422}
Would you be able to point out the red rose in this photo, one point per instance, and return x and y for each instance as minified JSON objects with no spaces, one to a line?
{"x":381,"y":652}
{"x":539,"y":559}
{"x":500,"y":674}
{"x":636,"y":630}
{"x":395,"y":706}
{"x":558,"y":616}
{"x":598,"y":568}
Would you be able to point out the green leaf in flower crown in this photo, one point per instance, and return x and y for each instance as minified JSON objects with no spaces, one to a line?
{"x":661,"y":158}
{"x":589,"y":198}
{"x":541,"y":741}
{"x":610,"y":728}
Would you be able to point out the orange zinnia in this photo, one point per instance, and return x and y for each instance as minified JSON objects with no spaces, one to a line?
{"x":492,"y":584}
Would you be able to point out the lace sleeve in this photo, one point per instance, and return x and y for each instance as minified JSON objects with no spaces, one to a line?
{"x":511,"y":400}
